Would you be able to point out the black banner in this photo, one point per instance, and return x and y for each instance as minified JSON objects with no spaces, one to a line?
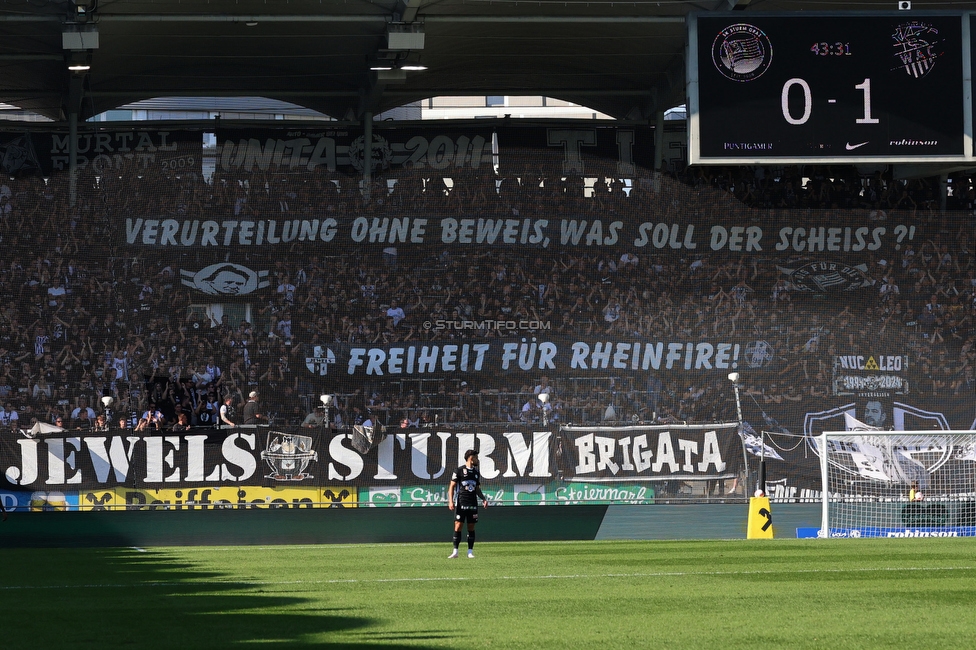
{"x":644,"y":237}
{"x":526,"y":350}
{"x":103,"y":151}
{"x":317,"y":457}
{"x":344,"y":150}
{"x":609,"y":454}
{"x":792,"y":455}
{"x":584,"y":150}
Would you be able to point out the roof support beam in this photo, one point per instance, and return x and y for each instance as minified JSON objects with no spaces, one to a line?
{"x":370,"y":97}
{"x":31,"y":18}
{"x":554,"y":20}
{"x":75,"y":94}
{"x":104,"y":17}
{"x":408,"y":10}
{"x":526,"y":92}
{"x":237,"y":18}
{"x":213,"y":92}
{"x":31,"y":57}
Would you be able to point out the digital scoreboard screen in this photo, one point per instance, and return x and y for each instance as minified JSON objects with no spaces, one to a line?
{"x":827,"y":88}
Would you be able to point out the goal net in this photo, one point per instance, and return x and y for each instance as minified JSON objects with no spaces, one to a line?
{"x":898,"y":483}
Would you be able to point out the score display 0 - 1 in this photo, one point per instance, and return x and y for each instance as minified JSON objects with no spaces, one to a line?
{"x":827,"y":88}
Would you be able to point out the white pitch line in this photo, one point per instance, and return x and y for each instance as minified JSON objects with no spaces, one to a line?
{"x":306,"y":547}
{"x":569,"y":576}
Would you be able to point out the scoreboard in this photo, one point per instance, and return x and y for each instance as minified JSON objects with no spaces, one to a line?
{"x":848,"y":88}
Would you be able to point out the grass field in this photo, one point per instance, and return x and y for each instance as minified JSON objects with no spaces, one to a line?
{"x":907,"y":593}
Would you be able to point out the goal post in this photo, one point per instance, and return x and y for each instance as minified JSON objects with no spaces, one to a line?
{"x":898,"y":483}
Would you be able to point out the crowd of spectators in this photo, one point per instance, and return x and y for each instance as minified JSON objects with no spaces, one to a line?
{"x":831,"y":188}
{"x":84,"y":316}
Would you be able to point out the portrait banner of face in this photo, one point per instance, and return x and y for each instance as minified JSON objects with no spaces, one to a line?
{"x":874,"y":414}
{"x":225,"y":279}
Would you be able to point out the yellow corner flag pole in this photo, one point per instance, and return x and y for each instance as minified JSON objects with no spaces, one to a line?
{"x":760,"y":519}
{"x":760,"y":516}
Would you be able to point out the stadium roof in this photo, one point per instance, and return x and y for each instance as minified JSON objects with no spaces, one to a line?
{"x":625,"y":59}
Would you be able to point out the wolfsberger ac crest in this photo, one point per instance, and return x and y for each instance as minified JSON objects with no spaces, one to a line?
{"x":320,"y":360}
{"x":225,"y":279}
{"x":288,"y":456}
{"x":917,"y":46}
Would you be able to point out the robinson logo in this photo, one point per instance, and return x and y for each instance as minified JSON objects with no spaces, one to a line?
{"x":742,"y":52}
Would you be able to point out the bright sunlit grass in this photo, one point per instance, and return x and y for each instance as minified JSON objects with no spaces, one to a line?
{"x":915,"y":593}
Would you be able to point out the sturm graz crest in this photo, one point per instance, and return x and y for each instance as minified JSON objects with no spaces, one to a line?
{"x":288,"y":456}
{"x":382,"y":153}
{"x":759,"y":354}
{"x":320,"y":360}
{"x":742,"y":52}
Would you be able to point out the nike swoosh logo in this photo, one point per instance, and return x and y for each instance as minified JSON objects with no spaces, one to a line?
{"x":852,"y":147}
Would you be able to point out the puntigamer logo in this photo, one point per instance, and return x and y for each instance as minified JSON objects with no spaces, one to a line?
{"x":742,"y":52}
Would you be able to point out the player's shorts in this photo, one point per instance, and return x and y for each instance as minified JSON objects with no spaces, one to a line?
{"x":468,"y":515}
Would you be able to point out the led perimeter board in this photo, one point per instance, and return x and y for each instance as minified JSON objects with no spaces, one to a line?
{"x":829,"y":88}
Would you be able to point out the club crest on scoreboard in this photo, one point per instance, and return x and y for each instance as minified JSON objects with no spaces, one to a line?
{"x":742,"y":52}
{"x":917,"y":45}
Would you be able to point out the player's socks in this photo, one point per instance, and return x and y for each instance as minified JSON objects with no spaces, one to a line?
{"x":457,"y":542}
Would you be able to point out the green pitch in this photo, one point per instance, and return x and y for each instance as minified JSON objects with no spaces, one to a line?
{"x":914,"y":593}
